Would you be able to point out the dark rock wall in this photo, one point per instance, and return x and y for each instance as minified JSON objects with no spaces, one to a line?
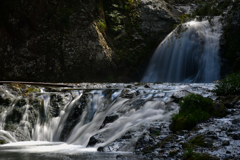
{"x":52,"y":41}
{"x":60,"y":41}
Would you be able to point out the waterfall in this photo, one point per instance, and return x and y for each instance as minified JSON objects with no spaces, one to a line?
{"x":91,"y":117}
{"x":189,"y":54}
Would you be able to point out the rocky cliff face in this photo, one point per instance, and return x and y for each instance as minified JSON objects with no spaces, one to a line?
{"x":59,"y":41}
{"x":53,"y":41}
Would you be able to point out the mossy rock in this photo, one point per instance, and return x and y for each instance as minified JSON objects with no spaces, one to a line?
{"x":21,"y":103}
{"x":31,"y":90}
{"x":17,"y":87}
{"x":1,"y":109}
{"x":169,"y":139}
{"x":194,"y":109}
{"x":15,"y":116}
{"x":10,"y":126}
{"x":182,"y":123}
{"x":2,"y":142}
{"x":219,"y":110}
{"x":33,"y":115}
{"x":199,"y":156}
{"x":229,"y":101}
{"x":200,"y":141}
{"x":5,"y":101}
{"x":36,"y":103}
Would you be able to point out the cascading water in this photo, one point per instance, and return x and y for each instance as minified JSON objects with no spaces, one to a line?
{"x":81,"y":120}
{"x":191,"y":55}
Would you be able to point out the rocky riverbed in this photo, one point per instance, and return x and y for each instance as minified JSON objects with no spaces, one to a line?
{"x":142,"y":124}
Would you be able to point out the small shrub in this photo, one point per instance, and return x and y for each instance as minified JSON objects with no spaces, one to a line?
{"x":193,"y":109}
{"x":229,"y":85}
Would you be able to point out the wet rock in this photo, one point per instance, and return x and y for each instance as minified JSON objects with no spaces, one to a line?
{"x":109,"y":119}
{"x":112,"y":147}
{"x":15,"y":116}
{"x":2,"y":141}
{"x":21,"y":103}
{"x":128,"y":93}
{"x":121,"y":157}
{"x":74,"y":115}
{"x":127,"y":135}
{"x":36,"y":103}
{"x":93,"y":141}
{"x":236,"y":136}
{"x":180,"y":94}
{"x":55,"y":101}
{"x":229,"y":101}
{"x":225,"y":143}
{"x":100,"y":149}
{"x":219,"y":110}
{"x":236,"y":121}
{"x":147,"y":86}
{"x":5,"y":101}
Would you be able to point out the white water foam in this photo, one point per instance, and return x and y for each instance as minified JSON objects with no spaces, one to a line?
{"x":189,"y":56}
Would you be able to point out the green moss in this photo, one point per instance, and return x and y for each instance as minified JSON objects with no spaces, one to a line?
{"x":219,"y":110}
{"x":193,"y":109}
{"x":199,"y":141}
{"x":159,"y":144}
{"x":31,"y":90}
{"x":101,"y":25}
{"x":190,"y":155}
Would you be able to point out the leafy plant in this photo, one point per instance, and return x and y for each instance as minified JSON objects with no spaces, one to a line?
{"x":229,"y":85}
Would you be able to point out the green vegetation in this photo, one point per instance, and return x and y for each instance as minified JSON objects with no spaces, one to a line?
{"x":101,"y":25}
{"x":117,"y":20}
{"x":193,"y":109}
{"x":2,"y":142}
{"x":31,"y":90}
{"x":199,"y":141}
{"x":229,"y":85}
{"x":190,"y":155}
{"x":150,"y":149}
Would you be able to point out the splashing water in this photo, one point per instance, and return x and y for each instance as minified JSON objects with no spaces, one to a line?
{"x":135,"y":110}
{"x":189,"y":56}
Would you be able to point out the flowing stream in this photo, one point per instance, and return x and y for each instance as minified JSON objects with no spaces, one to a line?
{"x":189,"y":54}
{"x":76,"y":117}
{"x":73,"y":123}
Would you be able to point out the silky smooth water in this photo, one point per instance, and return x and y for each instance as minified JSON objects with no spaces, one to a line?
{"x":189,"y":54}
